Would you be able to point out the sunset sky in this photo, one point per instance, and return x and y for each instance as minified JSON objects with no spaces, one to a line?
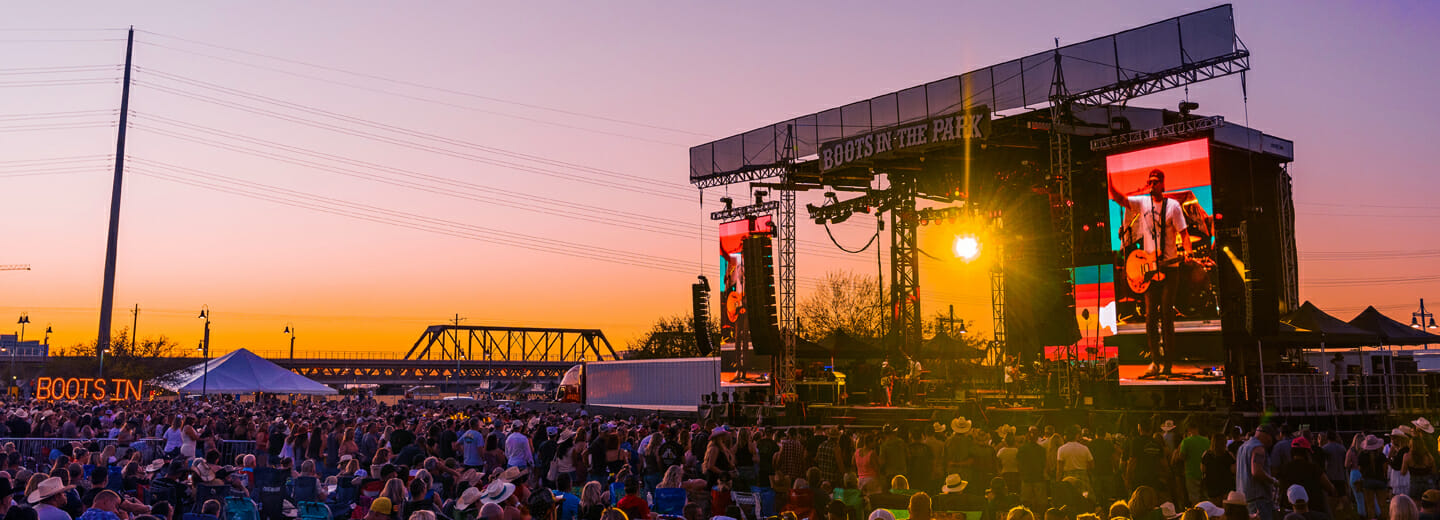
{"x":361,"y":170}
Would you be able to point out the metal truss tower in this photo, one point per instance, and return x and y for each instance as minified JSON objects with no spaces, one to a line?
{"x":1062,"y":200}
{"x":905,"y":266}
{"x":997,"y":306}
{"x":789,"y":321}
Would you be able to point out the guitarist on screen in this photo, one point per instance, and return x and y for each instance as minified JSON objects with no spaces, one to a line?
{"x":1160,"y":226}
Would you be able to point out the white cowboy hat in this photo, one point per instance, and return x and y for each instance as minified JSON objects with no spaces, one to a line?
{"x":1423,"y":425}
{"x":566,"y":435}
{"x":497,"y":492}
{"x":48,"y":488}
{"x":1398,"y":433}
{"x":155,"y":465}
{"x":1166,"y":426}
{"x":953,"y":484}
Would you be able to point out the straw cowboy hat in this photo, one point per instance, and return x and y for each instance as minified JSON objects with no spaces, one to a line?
{"x":939,"y":428}
{"x":1372,"y":443}
{"x":1423,"y":425}
{"x":960,"y":425}
{"x":1235,"y":498}
{"x":467,"y":499}
{"x":954,"y":484}
{"x":1166,"y":426}
{"x":566,"y":435}
{"x":48,"y":488}
{"x":512,"y":474}
{"x":155,"y":465}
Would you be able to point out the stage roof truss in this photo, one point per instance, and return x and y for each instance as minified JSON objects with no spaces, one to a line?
{"x":1111,"y":69}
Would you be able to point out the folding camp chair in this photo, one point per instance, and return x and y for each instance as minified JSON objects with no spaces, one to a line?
{"x":240,"y":508}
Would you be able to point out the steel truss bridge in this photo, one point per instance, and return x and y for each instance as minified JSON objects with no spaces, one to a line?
{"x":507,"y":360}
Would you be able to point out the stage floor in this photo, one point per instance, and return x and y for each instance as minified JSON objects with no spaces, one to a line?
{"x":1184,"y":373}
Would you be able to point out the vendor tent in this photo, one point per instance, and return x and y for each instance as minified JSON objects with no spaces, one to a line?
{"x":1392,"y":332}
{"x":241,"y":372}
{"x":845,"y":346}
{"x":1328,"y":330}
{"x":943,"y":346}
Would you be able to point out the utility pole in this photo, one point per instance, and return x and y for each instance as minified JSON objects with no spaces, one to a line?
{"x":134,"y":327}
{"x":107,"y":294}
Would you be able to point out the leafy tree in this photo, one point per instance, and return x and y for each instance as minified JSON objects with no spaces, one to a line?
{"x":670,"y":337}
{"x":146,"y":359}
{"x":844,"y":301}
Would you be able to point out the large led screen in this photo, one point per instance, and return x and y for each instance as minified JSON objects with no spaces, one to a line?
{"x":733,"y":325}
{"x":1158,"y":242}
{"x":1094,"y":314}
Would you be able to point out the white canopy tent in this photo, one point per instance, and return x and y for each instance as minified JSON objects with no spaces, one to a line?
{"x":241,"y":372}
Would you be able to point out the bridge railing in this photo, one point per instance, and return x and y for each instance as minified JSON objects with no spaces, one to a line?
{"x":280,"y":355}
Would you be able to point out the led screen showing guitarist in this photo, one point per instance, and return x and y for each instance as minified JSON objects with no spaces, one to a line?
{"x":1160,"y":232}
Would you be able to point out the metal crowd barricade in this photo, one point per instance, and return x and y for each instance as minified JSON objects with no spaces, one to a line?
{"x":39,"y":448}
{"x":230,"y":449}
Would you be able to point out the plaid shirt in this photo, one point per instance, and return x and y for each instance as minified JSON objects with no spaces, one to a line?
{"x":792,"y":459}
{"x":825,"y":460}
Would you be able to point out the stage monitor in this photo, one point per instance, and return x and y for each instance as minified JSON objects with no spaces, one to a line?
{"x":1165,"y":250}
{"x":733,"y":325}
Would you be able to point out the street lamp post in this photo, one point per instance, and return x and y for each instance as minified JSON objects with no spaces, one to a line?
{"x":24,"y":319}
{"x":290,"y":329}
{"x":205,"y":349}
{"x":1418,"y":319}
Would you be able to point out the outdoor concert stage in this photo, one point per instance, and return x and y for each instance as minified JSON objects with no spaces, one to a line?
{"x":1048,"y":159}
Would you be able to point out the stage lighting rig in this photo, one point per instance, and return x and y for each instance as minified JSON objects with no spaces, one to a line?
{"x":836,"y":211}
{"x":753,"y":210}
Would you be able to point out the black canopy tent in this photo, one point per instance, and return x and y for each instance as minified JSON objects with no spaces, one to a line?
{"x":1391,"y":332}
{"x":1313,"y":325}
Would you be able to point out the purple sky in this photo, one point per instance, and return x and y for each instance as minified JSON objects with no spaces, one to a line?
{"x":526,"y":99}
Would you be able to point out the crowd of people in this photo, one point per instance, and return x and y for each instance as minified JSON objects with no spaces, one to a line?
{"x":366,"y":460}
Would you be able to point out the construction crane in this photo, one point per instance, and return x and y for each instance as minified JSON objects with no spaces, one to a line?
{"x":14,"y":267}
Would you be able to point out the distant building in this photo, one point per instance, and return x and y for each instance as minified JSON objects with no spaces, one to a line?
{"x":12,"y":346}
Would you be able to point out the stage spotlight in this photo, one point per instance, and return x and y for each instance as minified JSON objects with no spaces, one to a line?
{"x":967,"y":247}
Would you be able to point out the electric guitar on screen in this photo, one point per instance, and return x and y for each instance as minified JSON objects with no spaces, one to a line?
{"x":1141,"y":268}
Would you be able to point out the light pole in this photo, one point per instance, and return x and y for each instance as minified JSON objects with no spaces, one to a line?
{"x":290,"y":329}
{"x":48,"y":330}
{"x":1418,"y":319}
{"x":205,"y":349}
{"x":24,"y":319}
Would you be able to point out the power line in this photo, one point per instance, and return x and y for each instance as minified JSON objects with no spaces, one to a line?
{"x":399,"y":218}
{"x":397,"y":129}
{"x":434,"y":88}
{"x":424,"y":99}
{"x":648,"y":190}
{"x":419,"y":180}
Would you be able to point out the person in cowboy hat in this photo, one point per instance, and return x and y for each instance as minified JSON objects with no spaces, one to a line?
{"x":502,"y":494}
{"x":956,"y":495}
{"x":959,"y":448}
{"x":469,"y":500}
{"x":49,"y":499}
